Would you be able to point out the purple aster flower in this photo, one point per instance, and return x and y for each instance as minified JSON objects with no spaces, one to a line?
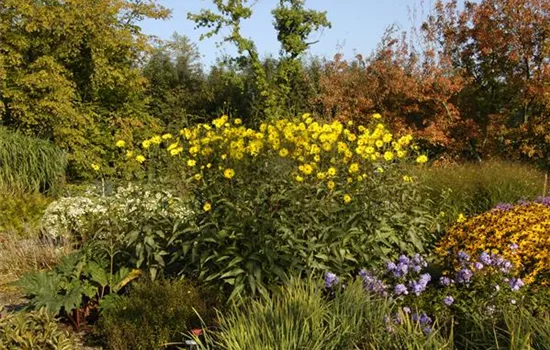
{"x":390,"y":266}
{"x":506,"y":266}
{"x":503,"y":206}
{"x":478,"y":265}
{"x":404,"y":259}
{"x":331,"y":279}
{"x":516,"y":284}
{"x":543,"y":200}
{"x":400,"y":289}
{"x":372,"y":283}
{"x":448,"y":300}
{"x":464,"y":275}
{"x":445,"y":281}
{"x":485,"y":258}
{"x":415,"y":317}
{"x":514,"y":246}
{"x":425,"y":319}
{"x":463,"y":256}
{"x":401,"y":270}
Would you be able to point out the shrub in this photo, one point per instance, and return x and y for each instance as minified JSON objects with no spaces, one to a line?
{"x":154,"y":314}
{"x":21,"y":212}
{"x":521,"y":233}
{"x":473,"y":188}
{"x":293,"y":197}
{"x":36,"y":330}
{"x":29,"y":164}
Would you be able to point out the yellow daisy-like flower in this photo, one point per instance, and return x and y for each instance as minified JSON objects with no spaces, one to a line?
{"x":299,"y":178}
{"x":331,"y":171}
{"x":229,"y":173}
{"x":207,"y":206}
{"x":387,"y":138}
{"x":321,"y":176}
{"x":461,"y":218}
{"x":176,"y":151}
{"x":198,"y":177}
{"x":388,"y":156}
{"x":238,"y":121}
{"x":95,"y":167}
{"x":347,"y":198}
{"x":166,"y":136}
{"x":407,"y":178}
{"x":379,"y":143}
{"x":140,"y":159}
{"x":376,"y":116}
{"x":354,"y":168}
{"x":129,"y":154}
{"x":306,"y":169}
{"x":421,"y":159}
{"x":331,"y":185}
{"x":120,"y":144}
{"x":146,"y":144}
{"x":191,"y":163}
{"x":209,"y":165}
{"x":156,"y":140}
{"x":283,"y":152}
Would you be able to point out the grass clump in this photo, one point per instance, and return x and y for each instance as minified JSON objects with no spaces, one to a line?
{"x":473,"y":188}
{"x":29,"y":164}
{"x":21,"y":212}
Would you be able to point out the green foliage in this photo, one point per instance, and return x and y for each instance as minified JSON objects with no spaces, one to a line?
{"x":76,"y":284}
{"x":36,"y":330}
{"x":69,"y":73}
{"x":21,"y":212}
{"x":473,"y":188}
{"x":154,"y":314}
{"x":302,"y":316}
{"x":29,"y":164}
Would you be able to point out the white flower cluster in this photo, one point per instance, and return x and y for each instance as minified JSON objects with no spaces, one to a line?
{"x":71,"y":216}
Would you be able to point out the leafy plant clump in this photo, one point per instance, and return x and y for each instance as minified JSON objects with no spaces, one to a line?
{"x":294,"y":196}
{"x":36,"y":330}
{"x":155,"y":314}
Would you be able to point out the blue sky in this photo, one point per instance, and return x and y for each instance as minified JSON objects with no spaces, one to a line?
{"x":357,"y":25}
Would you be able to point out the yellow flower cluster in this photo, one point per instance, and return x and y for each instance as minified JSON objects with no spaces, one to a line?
{"x":332,"y":152}
{"x":520,"y":234}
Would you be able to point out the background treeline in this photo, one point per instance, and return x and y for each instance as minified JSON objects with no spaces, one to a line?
{"x":471,"y":82}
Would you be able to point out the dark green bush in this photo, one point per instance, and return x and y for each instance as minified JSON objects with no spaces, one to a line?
{"x":30,"y":164}
{"x":154,"y":314}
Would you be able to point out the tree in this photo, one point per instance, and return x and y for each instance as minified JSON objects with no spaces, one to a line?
{"x":294,"y":25}
{"x":69,"y":73}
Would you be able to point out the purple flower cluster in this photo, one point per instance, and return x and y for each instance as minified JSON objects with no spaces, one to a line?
{"x":503,"y":206}
{"x":331,"y":280}
{"x":516,"y":284}
{"x":372,"y":283}
{"x":405,"y":265}
{"x":417,"y":287}
{"x":484,"y":259}
{"x":543,"y":201}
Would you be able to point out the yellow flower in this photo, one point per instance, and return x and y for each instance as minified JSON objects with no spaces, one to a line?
{"x":299,"y":178}
{"x":209,"y":165}
{"x":166,"y":136}
{"x":191,"y":163}
{"x":283,"y":152}
{"x":176,"y":151}
{"x":331,"y":171}
{"x":321,"y":176}
{"x":229,"y":173}
{"x":407,"y":178}
{"x":129,"y":154}
{"x":238,"y":121}
{"x":376,"y":116}
{"x":95,"y":167}
{"x":140,"y":159}
{"x":387,"y":138}
{"x":198,"y":177}
{"x":461,"y":218}
{"x":207,"y":206}
{"x":120,"y":144}
{"x":331,"y":185}
{"x":421,"y":159}
{"x":146,"y":144}
{"x":379,"y":143}
{"x":388,"y":156}
{"x":354,"y":168}
{"x":347,"y":198}
{"x":156,"y":140}
{"x":306,"y":169}
{"x":350,"y":180}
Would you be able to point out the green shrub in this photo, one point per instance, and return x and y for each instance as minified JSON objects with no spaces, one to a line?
{"x":36,"y":330}
{"x":29,"y":164}
{"x":154,"y":314}
{"x":21,"y":212}
{"x":473,"y":188}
